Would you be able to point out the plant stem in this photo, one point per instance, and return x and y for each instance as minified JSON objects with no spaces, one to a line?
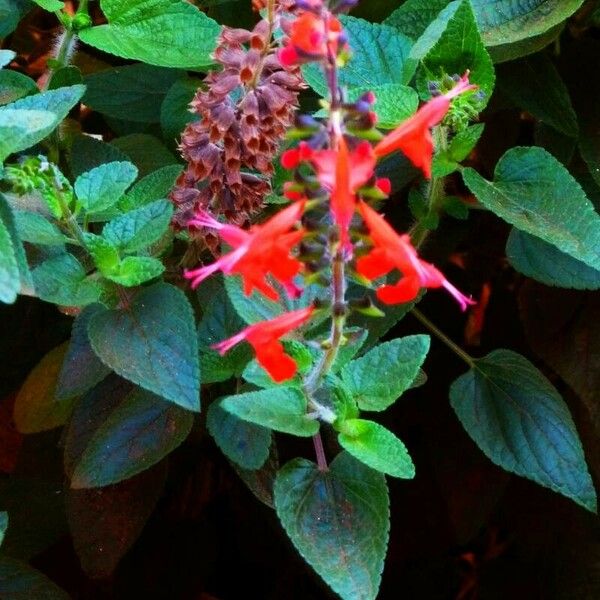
{"x":443,"y":337}
{"x":320,"y":452}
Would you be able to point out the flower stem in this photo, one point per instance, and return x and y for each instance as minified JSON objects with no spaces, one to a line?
{"x":320,"y":452}
{"x":443,"y":337}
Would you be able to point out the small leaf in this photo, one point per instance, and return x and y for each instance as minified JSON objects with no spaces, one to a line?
{"x":519,"y":420}
{"x":377,"y":447}
{"x":20,"y":129}
{"x":103,"y":186}
{"x":529,"y":191}
{"x":104,"y":254}
{"x":546,"y":263}
{"x":135,"y":270}
{"x":36,"y":229}
{"x":6,"y":57}
{"x":51,"y":5}
{"x":245,"y":444}
{"x":338,"y":520}
{"x":19,"y":581}
{"x":139,"y":228}
{"x":168,"y":33}
{"x":154,"y":186}
{"x":282,"y":409}
{"x":36,"y":408}
{"x":15,"y":85}
{"x":382,"y":375}
{"x":152,"y":342}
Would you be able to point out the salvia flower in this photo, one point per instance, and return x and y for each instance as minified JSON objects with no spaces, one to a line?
{"x":261,"y":251}
{"x":413,"y":137}
{"x":392,"y":251}
{"x":264,"y":338}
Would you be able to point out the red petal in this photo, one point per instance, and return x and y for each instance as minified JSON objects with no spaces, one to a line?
{"x":404,"y":291}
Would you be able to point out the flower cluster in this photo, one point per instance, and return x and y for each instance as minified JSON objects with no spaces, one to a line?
{"x":329,"y":226}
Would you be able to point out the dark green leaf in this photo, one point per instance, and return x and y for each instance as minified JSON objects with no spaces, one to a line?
{"x":167,"y":33}
{"x":282,"y":409}
{"x":535,"y":193}
{"x":377,"y":379}
{"x":175,"y":110}
{"x":244,"y":443}
{"x":546,"y":263}
{"x":19,"y":581}
{"x":15,"y":85}
{"x":261,"y":481}
{"x":414,"y":16}
{"x":152,"y":342}
{"x":3,"y":525}
{"x":459,"y":148}
{"x":65,"y":76}
{"x":338,"y":520}
{"x":11,"y":12}
{"x":36,"y":229}
{"x":145,"y":151}
{"x":88,"y":152}
{"x":377,"y":447}
{"x":154,"y":186}
{"x":519,"y":420}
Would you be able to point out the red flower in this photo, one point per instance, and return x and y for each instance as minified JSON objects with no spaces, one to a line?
{"x":413,"y":137}
{"x":261,"y":250}
{"x":311,"y":37}
{"x":392,"y":251}
{"x":264,"y":338}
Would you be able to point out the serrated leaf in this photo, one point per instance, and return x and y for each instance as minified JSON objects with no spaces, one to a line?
{"x":282,"y":409}
{"x":546,"y":263}
{"x":139,"y":432}
{"x":152,"y":342}
{"x":19,"y":581}
{"x":167,"y":33}
{"x":154,"y":186}
{"x":139,"y":228}
{"x":379,"y":53}
{"x":36,"y":229}
{"x":376,"y":447}
{"x":20,"y":129}
{"x":104,"y":254}
{"x":36,"y":408}
{"x":414,"y":16}
{"x":15,"y":85}
{"x":62,"y":280}
{"x":534,"y":84}
{"x":81,"y":369}
{"x":535,"y":193}
{"x":145,"y":151}
{"x":338,"y":520}
{"x":131,"y":92}
{"x":244,"y":443}
{"x":103,"y":186}
{"x":378,"y":378}
{"x":88,"y":152}
{"x":175,"y":111}
{"x":135,"y":270}
{"x":519,"y":420}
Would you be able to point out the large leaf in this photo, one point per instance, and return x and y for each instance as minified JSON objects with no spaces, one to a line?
{"x":19,"y":581}
{"x":152,"y":342}
{"x":377,"y":379}
{"x":535,"y":193}
{"x":379,"y":53}
{"x":20,"y":129}
{"x":546,"y":263}
{"x":15,"y":85}
{"x":154,"y":186}
{"x":338,"y":520}
{"x":175,"y":110}
{"x":282,"y":409}
{"x":519,"y":420}
{"x":36,"y":229}
{"x":414,"y":16}
{"x":145,"y":151}
{"x":11,"y":12}
{"x":36,"y":408}
{"x":377,"y":447}
{"x":139,"y":432}
{"x":88,"y":152}
{"x":167,"y":33}
{"x":131,"y":92}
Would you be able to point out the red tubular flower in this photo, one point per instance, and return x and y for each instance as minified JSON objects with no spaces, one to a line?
{"x":393,"y":251}
{"x":262,"y":250}
{"x":264,"y":338}
{"x":413,"y":137}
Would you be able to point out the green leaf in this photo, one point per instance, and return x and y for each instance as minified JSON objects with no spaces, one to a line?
{"x":62,"y":280}
{"x":377,"y":447}
{"x":535,"y":193}
{"x":175,"y":110}
{"x":460,"y":147}
{"x":145,"y":151}
{"x":136,"y":435}
{"x":50,"y":5}
{"x":81,"y":368}
{"x":338,"y":520}
{"x":11,"y":12}
{"x":414,"y":16}
{"x":135,"y":270}
{"x":19,"y":581}
{"x":34,"y":228}
{"x":130,"y":92}
{"x":282,"y":409}
{"x":3,"y":525}
{"x":379,"y":53}
{"x":382,"y":375}
{"x":36,"y":408}
{"x":534,"y":84}
{"x":104,"y":254}
{"x":167,"y":33}
{"x":546,"y":263}
{"x":103,"y":186}
{"x":15,"y":85}
{"x":6,"y":57}
{"x":519,"y":420}
{"x":244,"y":443}
{"x":65,"y":76}
{"x":88,"y":152}
{"x":152,"y":342}
{"x":20,"y":129}
{"x":154,"y":186}
{"x":10,"y":282}
{"x":139,"y":228}
{"x":457,"y":49}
